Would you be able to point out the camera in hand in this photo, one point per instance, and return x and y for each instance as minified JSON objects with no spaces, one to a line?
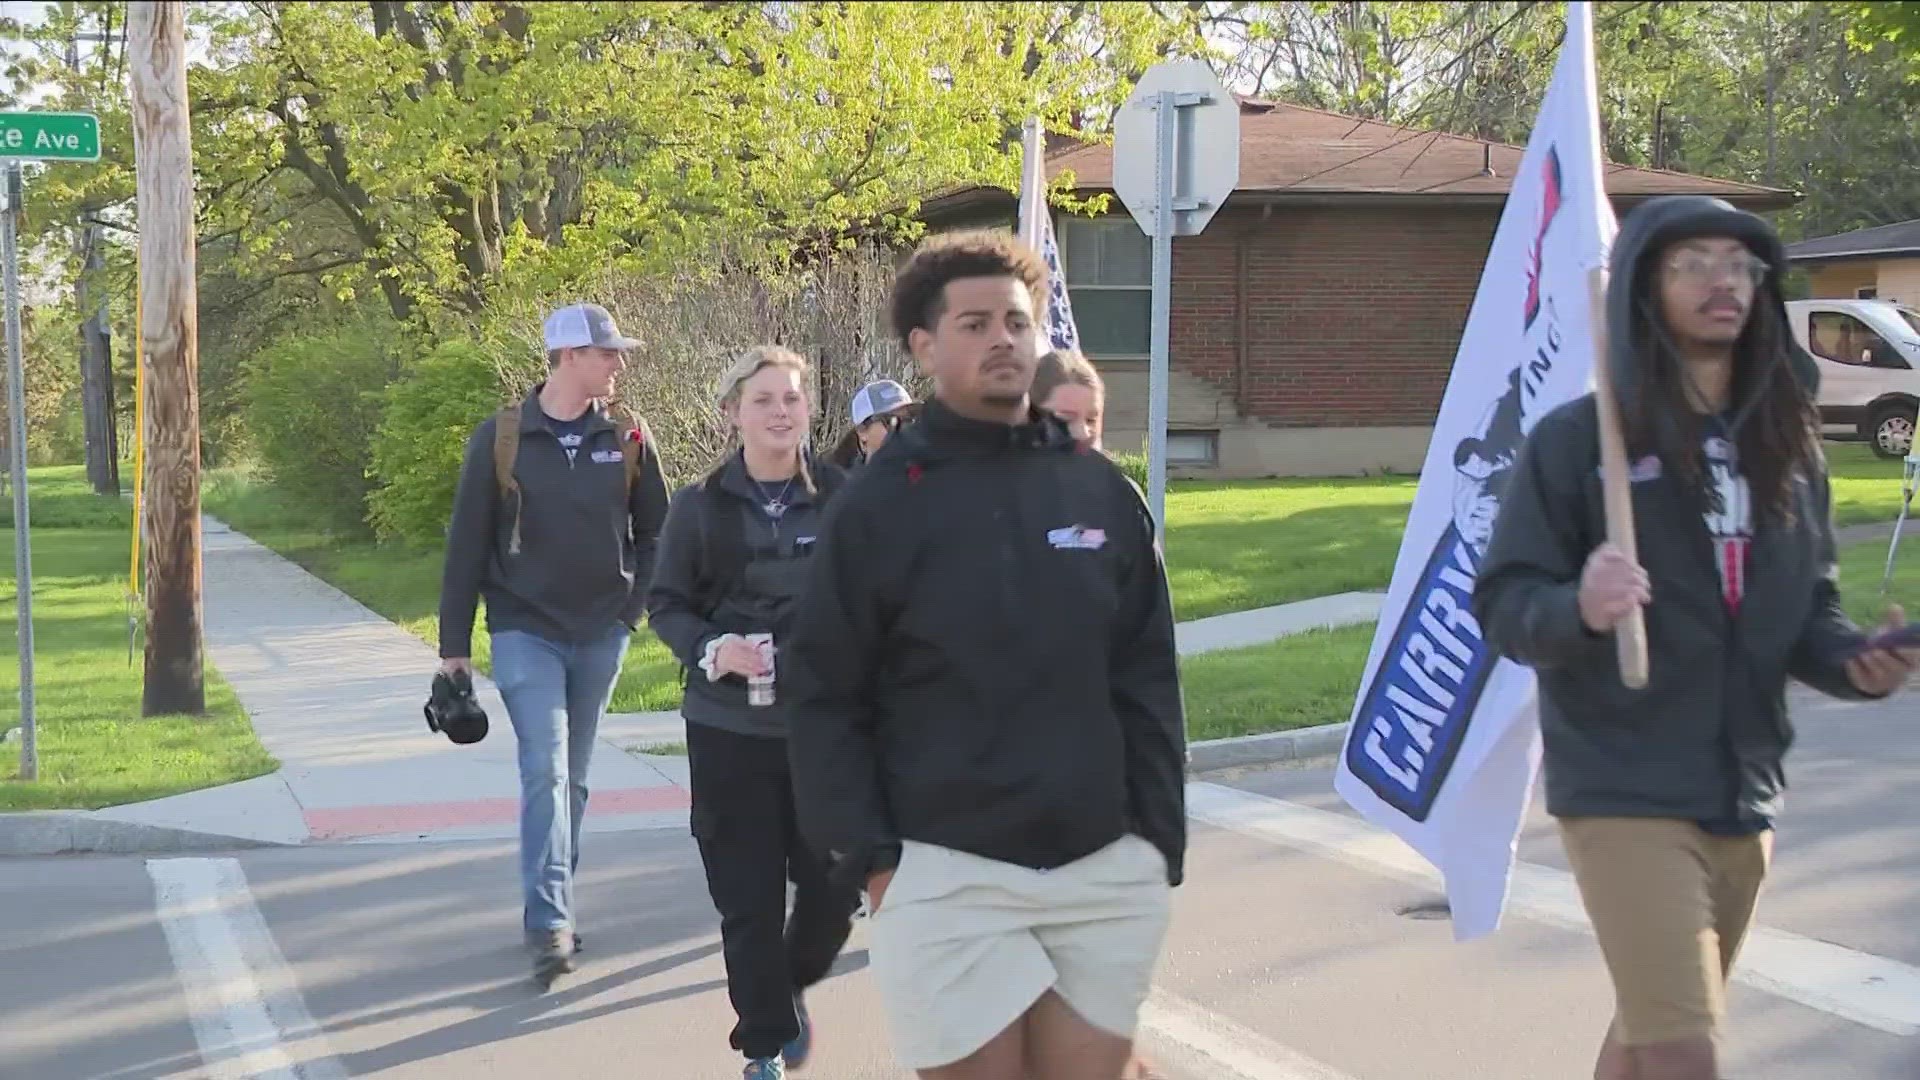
{"x":453,"y":711}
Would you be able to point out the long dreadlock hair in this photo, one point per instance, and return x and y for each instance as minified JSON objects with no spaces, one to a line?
{"x":1775,"y":423}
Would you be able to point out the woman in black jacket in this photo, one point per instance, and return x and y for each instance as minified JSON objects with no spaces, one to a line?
{"x":731,"y":559}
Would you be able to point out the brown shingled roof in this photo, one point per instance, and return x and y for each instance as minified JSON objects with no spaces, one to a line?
{"x":1290,"y":150}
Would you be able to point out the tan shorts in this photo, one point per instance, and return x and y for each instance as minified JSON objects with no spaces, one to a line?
{"x":962,"y":946}
{"x":1670,"y":905}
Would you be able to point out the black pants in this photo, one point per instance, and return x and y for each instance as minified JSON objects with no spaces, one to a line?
{"x":743,"y":818}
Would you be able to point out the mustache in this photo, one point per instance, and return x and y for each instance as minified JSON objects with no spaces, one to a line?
{"x":1724,"y":301}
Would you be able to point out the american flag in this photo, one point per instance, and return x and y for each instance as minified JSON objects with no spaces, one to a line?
{"x":1036,"y":230}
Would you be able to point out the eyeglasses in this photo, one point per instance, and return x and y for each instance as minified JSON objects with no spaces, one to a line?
{"x":1701,"y":270}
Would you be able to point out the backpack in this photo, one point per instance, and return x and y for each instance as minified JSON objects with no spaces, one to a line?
{"x":506,"y":451}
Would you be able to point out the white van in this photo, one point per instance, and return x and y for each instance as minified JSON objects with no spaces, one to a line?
{"x":1869,"y":357}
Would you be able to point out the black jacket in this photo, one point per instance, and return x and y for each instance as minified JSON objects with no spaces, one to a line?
{"x":983,"y":658}
{"x":1704,"y":740}
{"x":724,"y":568}
{"x":586,"y":542}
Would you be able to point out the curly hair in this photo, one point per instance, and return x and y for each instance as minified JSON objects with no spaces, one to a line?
{"x":919,"y":291}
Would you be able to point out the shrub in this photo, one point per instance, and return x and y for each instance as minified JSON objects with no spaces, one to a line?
{"x":423,"y":431}
{"x":1134,"y":465}
{"x":310,"y":402}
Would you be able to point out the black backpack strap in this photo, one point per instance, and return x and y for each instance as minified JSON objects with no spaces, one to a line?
{"x":723,"y":542}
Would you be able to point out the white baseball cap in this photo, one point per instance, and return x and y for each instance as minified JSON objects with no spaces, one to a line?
{"x":878,"y":399}
{"x":581,"y":326}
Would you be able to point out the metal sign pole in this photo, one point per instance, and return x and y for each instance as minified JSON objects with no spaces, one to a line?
{"x":17,"y":410}
{"x":1166,"y":129}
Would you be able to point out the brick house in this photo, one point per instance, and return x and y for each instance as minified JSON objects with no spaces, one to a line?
{"x":1315,"y":321}
{"x":1879,"y":263}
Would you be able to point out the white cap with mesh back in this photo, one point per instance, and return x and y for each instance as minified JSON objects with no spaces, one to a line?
{"x":580,"y":326}
{"x":878,"y":399}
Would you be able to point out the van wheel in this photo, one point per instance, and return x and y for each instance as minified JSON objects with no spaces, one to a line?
{"x":1890,"y":430}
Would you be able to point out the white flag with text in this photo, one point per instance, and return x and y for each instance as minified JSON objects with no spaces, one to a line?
{"x":1445,"y":743}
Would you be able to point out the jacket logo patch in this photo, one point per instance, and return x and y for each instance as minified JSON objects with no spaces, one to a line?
{"x":606,"y":457}
{"x":1647,"y":468}
{"x":1077,"y":538}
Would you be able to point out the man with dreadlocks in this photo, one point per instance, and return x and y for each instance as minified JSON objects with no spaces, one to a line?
{"x":1665,"y":796}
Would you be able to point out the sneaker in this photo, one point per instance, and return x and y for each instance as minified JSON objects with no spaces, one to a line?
{"x":553,"y":955}
{"x":536,"y":940}
{"x":765,"y":1069}
{"x":801,"y":1048}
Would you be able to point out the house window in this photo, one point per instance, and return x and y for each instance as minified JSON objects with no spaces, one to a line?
{"x":1868,"y":293}
{"x":1193,"y":448}
{"x":1843,"y":339}
{"x":1109,"y":265}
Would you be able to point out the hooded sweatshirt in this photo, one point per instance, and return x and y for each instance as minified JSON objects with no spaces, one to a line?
{"x":983,"y":657}
{"x":1740,"y":602}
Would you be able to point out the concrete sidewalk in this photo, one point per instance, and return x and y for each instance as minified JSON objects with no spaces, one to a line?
{"x":335,"y":692}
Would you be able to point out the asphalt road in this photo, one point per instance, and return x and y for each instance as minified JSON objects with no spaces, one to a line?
{"x":1292,"y":957}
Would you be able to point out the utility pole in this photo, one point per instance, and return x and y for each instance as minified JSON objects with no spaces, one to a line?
{"x":99,"y":416}
{"x":169,"y":338}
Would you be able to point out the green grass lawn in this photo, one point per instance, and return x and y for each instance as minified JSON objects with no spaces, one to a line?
{"x":1312,"y":678}
{"x":95,"y":748}
{"x":1301,"y":681}
{"x":1231,"y":546}
{"x":1863,"y":564}
{"x":1865,"y":488}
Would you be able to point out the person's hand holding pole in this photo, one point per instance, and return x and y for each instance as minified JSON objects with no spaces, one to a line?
{"x":1612,"y":589}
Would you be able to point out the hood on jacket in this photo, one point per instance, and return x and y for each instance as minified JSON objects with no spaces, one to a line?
{"x":939,"y":433}
{"x":1649,"y":229}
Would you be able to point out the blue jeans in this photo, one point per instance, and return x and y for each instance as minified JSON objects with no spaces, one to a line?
{"x":556,"y":693}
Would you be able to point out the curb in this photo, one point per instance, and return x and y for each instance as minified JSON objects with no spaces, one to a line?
{"x":1296,"y":745}
{"x":79,"y":832}
{"x":62,"y":832}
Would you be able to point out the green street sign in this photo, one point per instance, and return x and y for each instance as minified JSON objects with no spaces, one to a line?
{"x":56,"y":136}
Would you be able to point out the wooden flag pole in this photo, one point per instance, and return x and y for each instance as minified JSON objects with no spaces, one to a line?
{"x":1631,"y":633}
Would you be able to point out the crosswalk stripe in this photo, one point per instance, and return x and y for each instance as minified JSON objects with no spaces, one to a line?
{"x":1232,"y":1051}
{"x":1869,"y":990}
{"x":244,"y":1006}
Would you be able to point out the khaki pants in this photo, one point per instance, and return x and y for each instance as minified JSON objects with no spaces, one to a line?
{"x":1671,"y":905}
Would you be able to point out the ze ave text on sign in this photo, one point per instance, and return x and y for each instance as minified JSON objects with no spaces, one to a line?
{"x":51,"y":136}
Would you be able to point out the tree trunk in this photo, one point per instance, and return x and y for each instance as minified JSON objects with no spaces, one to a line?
{"x":169,"y":334}
{"x":96,"y":367}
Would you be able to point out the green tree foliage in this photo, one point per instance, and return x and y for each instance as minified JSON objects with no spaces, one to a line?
{"x":311,"y":402}
{"x":426,"y":420}
{"x":1786,"y":94}
{"x":1897,"y":23}
{"x":453,"y":144}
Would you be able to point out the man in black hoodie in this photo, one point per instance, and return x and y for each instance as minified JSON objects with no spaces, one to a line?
{"x":1665,"y":796}
{"x":986,"y":725}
